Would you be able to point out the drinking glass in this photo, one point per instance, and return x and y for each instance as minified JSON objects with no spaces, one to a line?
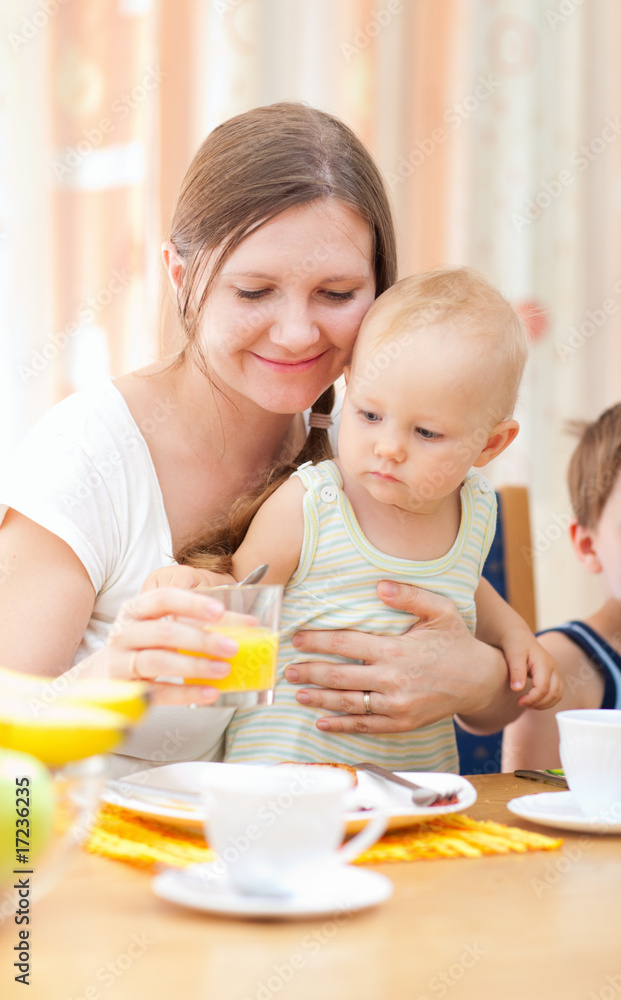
{"x":252,"y":619}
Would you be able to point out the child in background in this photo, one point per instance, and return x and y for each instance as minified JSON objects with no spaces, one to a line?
{"x":430,"y":395}
{"x":587,"y":652}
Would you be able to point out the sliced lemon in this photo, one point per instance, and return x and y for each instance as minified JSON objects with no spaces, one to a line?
{"x":58,"y":733}
{"x":130,"y":698}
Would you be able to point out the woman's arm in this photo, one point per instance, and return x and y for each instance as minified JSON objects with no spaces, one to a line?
{"x":46,"y":598}
{"x":46,"y":602}
{"x":435,"y":670}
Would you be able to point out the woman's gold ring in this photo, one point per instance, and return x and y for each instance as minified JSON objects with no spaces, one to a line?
{"x":132,"y":666}
{"x":366,"y":697}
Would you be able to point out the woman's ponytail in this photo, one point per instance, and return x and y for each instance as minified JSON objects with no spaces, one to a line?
{"x":215,"y":549}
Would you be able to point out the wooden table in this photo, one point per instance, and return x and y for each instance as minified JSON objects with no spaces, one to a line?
{"x":540,"y":926}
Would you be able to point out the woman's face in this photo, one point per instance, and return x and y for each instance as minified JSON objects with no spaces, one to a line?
{"x":284,"y":312}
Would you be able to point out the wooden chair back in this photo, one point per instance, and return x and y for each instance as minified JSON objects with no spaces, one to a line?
{"x":509,"y":568}
{"x":509,"y":565}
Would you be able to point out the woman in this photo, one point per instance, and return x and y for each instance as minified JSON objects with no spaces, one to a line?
{"x":280,"y":241}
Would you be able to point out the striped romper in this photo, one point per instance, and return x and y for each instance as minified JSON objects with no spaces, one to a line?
{"x":334,"y":587}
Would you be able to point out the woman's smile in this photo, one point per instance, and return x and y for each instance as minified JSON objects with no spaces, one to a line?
{"x":289,"y":366}
{"x":308,"y":314}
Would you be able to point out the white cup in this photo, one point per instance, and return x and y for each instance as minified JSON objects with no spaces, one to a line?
{"x":590,"y":751}
{"x":276,"y":827}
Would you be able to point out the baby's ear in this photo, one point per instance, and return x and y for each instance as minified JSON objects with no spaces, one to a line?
{"x":346,"y":373}
{"x":583,"y":542}
{"x":501,"y":437}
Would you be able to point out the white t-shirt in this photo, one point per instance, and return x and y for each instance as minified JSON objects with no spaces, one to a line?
{"x":85,"y":473}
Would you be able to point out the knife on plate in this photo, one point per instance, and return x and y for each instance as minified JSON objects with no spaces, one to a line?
{"x":549,"y":777}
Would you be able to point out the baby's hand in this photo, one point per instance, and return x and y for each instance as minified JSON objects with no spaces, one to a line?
{"x":526,"y":658}
{"x":185,"y":577}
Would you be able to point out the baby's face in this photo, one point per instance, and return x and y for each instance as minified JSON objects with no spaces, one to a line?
{"x":416,"y":414}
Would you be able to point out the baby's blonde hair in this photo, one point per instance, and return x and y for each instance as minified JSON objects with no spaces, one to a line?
{"x":464,"y":299}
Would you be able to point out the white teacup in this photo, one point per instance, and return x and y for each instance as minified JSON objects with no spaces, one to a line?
{"x":275,"y":827}
{"x":590,"y":751}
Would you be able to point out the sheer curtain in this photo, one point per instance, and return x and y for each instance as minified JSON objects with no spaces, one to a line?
{"x":80,"y":95}
{"x":494,"y":121}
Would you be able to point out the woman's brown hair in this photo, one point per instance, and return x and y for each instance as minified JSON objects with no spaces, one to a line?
{"x":247,"y":171}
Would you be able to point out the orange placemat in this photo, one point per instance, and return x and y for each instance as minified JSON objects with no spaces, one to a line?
{"x":121,"y":834}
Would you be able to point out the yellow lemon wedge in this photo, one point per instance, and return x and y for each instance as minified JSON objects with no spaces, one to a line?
{"x":58,"y":733}
{"x":130,"y":698}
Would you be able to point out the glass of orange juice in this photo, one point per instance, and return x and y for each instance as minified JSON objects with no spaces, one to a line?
{"x":252,"y":619}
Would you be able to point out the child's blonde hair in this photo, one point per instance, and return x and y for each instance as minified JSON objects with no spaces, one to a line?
{"x":595,"y":465}
{"x":465,"y":299}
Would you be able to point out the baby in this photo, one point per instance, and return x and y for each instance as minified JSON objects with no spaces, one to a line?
{"x":430,"y":394}
{"x":587,"y":652}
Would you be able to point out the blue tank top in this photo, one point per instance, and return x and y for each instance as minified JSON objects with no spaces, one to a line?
{"x":602,"y":656}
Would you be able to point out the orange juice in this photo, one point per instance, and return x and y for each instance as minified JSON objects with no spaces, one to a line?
{"x":253,"y":668}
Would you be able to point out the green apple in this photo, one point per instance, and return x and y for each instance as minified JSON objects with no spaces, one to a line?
{"x":26,"y":808}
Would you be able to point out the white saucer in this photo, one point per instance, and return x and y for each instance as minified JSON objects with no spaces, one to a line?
{"x":561,"y":810}
{"x":343,"y":889}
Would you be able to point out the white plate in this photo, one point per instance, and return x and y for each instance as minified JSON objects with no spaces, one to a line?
{"x":342,"y":890}
{"x":560,"y":809}
{"x":370,"y":792}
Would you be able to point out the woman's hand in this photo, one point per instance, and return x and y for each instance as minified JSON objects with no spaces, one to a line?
{"x":435,"y":670}
{"x":148,"y":636}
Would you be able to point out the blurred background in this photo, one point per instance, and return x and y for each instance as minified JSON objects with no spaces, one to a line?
{"x":496,"y":125}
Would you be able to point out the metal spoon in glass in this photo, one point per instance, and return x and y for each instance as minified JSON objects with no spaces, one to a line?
{"x":254,"y":575}
{"x":247,"y":598}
